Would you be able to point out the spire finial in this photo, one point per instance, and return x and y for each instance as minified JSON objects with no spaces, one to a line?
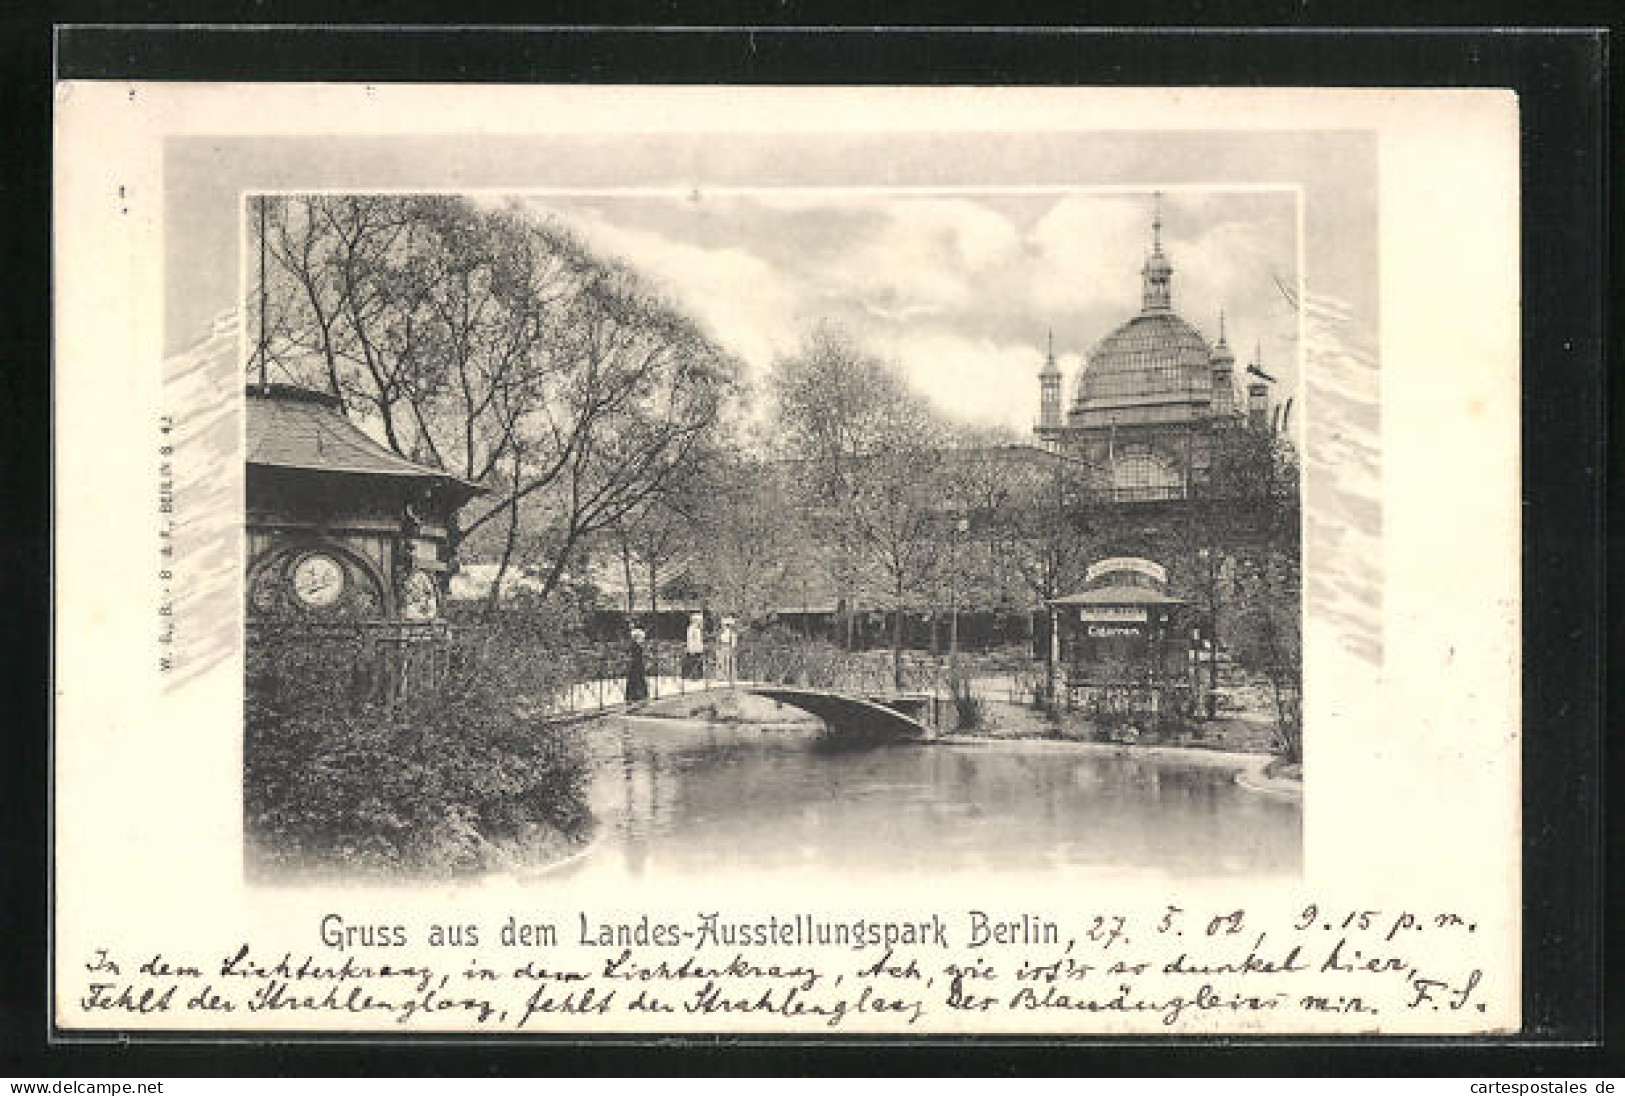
{"x":1221,"y":326}
{"x":1158,"y":271}
{"x":1050,"y":368}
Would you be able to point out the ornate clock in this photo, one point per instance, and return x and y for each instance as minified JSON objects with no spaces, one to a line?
{"x":318,"y":580}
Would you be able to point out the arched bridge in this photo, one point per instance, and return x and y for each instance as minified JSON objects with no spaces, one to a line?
{"x":904,"y":716}
{"x":852,"y":716}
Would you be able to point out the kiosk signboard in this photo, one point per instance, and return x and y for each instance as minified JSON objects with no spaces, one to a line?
{"x":1153,"y":571}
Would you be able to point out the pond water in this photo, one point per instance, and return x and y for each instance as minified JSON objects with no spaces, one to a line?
{"x":681,"y":796}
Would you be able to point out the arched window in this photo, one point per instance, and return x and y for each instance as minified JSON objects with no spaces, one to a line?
{"x":1139,"y":473}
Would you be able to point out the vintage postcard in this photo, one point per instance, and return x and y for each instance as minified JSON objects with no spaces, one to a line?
{"x":807,"y":562}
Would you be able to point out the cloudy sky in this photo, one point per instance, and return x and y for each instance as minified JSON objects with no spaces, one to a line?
{"x":959,"y":288}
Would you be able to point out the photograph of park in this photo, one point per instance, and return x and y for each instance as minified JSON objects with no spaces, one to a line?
{"x":645,"y":532}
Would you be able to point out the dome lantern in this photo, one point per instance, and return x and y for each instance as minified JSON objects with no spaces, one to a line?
{"x":1158,"y":272}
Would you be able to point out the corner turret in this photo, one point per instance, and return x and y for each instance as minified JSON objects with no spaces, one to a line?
{"x":1049,"y":389}
{"x":1258,"y":392}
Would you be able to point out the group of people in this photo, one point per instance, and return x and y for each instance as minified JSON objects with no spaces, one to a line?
{"x":727,"y":643}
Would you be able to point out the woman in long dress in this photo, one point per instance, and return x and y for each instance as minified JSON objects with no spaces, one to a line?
{"x":694,"y":654}
{"x":727,"y":641}
{"x":637,"y":678}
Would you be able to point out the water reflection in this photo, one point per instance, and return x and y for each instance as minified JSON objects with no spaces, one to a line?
{"x":676,"y":796}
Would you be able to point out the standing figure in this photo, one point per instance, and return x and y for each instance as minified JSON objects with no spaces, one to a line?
{"x":727,"y":641}
{"x":637,"y":678}
{"x":694,"y":653}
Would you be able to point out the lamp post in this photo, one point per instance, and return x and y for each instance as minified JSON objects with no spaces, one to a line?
{"x":1054,"y":664}
{"x":1210,"y":574}
{"x":960,"y":526}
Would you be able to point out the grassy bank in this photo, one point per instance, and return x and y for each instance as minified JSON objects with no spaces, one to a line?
{"x":1002,"y":719}
{"x":448,"y":780}
{"x":730,"y":707}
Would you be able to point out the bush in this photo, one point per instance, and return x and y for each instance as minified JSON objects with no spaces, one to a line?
{"x":969,"y":708}
{"x":1130,"y":710}
{"x":1288,"y":735}
{"x":446,"y":779}
{"x":785,"y":658}
{"x":1030,"y":686}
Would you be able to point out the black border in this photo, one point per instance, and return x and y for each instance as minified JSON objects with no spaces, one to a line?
{"x":1561,"y":79}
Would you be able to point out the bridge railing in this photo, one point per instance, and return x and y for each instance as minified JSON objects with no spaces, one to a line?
{"x":813,"y":665}
{"x":551,"y":675}
{"x":585,"y":678}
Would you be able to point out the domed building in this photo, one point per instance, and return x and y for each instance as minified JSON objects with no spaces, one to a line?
{"x":1154,"y":413}
{"x":1149,"y":398}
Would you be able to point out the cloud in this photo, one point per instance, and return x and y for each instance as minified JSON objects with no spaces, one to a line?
{"x":748,"y":305}
{"x":1233,"y":265}
{"x":958,"y":290}
{"x":1087,"y":251}
{"x":975,"y":380}
{"x":928,"y":256}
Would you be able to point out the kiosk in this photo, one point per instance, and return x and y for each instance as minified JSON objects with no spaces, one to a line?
{"x":344,"y":538}
{"x":1123,"y":642}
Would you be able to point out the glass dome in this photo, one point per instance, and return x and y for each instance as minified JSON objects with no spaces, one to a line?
{"x":1154,"y":357}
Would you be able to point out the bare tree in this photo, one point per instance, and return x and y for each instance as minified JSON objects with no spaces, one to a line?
{"x":835,"y":409}
{"x":896,"y":511}
{"x":657,"y":540}
{"x":870,"y":450}
{"x":1044,"y":531}
{"x":641,"y":394}
{"x":496,"y":348}
{"x":749,"y":536}
{"x":1255,"y":545}
{"x":425,"y":315}
{"x":991,"y":482}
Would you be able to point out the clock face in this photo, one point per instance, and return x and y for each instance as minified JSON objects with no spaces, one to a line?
{"x":420,"y":597}
{"x":318,"y":580}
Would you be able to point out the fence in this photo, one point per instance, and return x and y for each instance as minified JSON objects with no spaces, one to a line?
{"x":391,"y":661}
{"x":357,"y":662}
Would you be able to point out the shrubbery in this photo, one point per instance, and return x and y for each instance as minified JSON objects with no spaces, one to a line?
{"x":1288,"y":736}
{"x":969,"y":708}
{"x":783,"y":657}
{"x":448,"y":778}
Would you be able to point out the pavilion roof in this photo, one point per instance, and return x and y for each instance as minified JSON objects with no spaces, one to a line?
{"x":1118,"y":595}
{"x":293,"y":427}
